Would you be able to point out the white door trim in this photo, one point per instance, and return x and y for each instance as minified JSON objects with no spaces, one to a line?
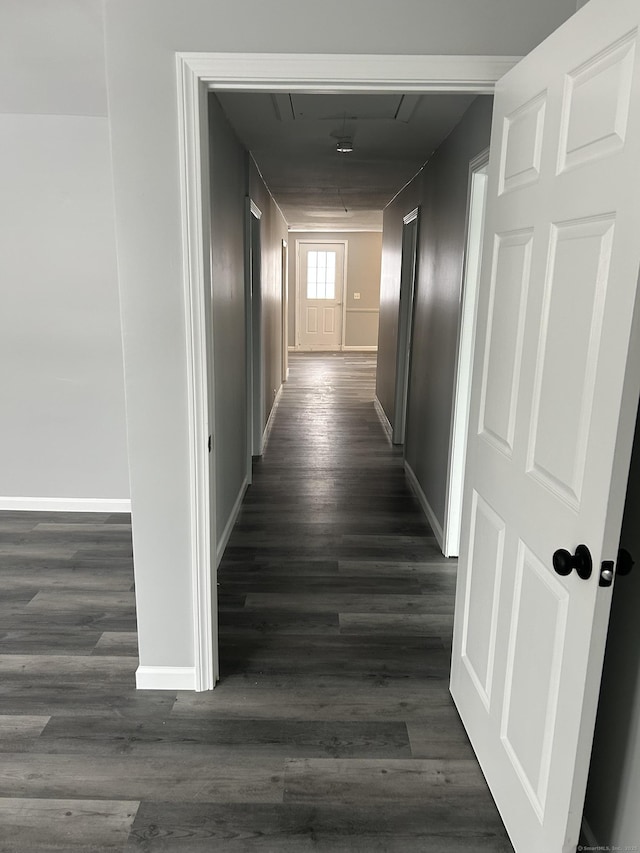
{"x":255,"y":391}
{"x":405,"y":328}
{"x":285,"y":310}
{"x":464,"y":365}
{"x":296,"y":289}
{"x":197,"y":73}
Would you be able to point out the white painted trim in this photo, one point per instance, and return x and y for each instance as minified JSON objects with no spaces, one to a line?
{"x":411,"y":223}
{"x":296,"y":72}
{"x":424,"y":503}
{"x":284,"y":309}
{"x":196,"y":73}
{"x":467,"y":309}
{"x":269,"y":424}
{"x":194,"y":196}
{"x":360,"y":349}
{"x":256,"y":401}
{"x":23,"y":504}
{"x":166,"y":678}
{"x":337,"y":229}
{"x":384,"y":420}
{"x":248,"y":331}
{"x":223,"y":541}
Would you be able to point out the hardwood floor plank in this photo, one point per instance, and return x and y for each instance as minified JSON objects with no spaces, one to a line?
{"x":111,"y":735}
{"x":245,"y":780}
{"x":61,"y":825}
{"x":350,"y":602}
{"x":290,"y":828}
{"x":370,"y":780}
{"x":392,"y":624}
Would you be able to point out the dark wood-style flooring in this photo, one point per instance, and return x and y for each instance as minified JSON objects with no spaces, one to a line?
{"x":332,"y":728}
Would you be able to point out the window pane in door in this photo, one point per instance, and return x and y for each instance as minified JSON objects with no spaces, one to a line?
{"x":321,"y":275}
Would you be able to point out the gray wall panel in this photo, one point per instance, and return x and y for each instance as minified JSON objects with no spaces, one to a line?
{"x":441,"y":236}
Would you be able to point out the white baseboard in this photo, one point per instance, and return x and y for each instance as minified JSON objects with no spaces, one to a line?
{"x":269,"y":425}
{"x":66,"y":504}
{"x":426,"y":506}
{"x":360,"y":349}
{"x":226,"y":533}
{"x":166,"y":678}
{"x":384,"y":420}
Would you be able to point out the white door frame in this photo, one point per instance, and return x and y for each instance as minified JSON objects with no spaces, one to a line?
{"x":405,"y":327}
{"x":464,"y":365}
{"x":254,"y":339}
{"x":197,"y":74}
{"x":296,"y":289}
{"x":285,"y":311}
{"x":253,"y":360}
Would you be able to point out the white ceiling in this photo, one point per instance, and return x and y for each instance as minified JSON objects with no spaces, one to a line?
{"x":293,"y":138}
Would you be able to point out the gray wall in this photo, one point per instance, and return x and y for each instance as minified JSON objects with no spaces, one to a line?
{"x":364,"y":252}
{"x":441,"y":192}
{"x":613,"y":792}
{"x":273,"y":230}
{"x":141,"y":40}
{"x":228,"y":174}
{"x":61,"y":375}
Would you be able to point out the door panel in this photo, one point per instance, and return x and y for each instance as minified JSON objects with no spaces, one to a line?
{"x":320,"y":288}
{"x":552,"y":415}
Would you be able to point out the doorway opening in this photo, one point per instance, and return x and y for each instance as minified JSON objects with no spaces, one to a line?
{"x":197,"y":75}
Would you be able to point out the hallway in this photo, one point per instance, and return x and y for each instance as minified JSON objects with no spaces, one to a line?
{"x":336,"y":610}
{"x":332,"y":728}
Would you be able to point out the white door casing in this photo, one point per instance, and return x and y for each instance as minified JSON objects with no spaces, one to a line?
{"x":555,"y":389}
{"x":196,"y":75}
{"x":408,"y":269}
{"x":477,"y":192}
{"x":320,"y":289}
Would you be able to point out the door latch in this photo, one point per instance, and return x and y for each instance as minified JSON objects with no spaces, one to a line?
{"x":606,"y":573}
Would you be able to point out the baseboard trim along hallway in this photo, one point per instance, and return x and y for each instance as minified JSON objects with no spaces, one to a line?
{"x":23,"y":504}
{"x":424,"y":503}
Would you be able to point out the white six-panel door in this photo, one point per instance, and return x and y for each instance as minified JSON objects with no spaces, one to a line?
{"x":552,"y":416}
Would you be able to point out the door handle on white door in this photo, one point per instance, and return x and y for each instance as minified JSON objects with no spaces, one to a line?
{"x":564,"y":562}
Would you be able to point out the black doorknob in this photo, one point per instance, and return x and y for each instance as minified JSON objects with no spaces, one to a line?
{"x":564,"y":562}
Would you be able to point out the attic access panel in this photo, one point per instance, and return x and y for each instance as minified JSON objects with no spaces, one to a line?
{"x":299,"y":107}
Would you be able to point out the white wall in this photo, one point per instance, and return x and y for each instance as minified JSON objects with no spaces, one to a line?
{"x":61,"y":378}
{"x":141,"y":40}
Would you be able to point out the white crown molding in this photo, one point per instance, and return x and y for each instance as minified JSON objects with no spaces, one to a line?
{"x":65,"y":504}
